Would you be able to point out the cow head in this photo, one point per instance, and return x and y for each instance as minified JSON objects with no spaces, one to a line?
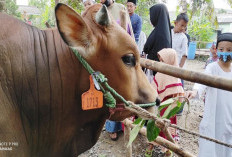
{"x":108,"y":48}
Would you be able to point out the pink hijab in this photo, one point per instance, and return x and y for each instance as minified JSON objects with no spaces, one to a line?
{"x":167,"y":85}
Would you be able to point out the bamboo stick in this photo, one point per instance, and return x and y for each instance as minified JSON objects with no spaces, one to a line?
{"x":127,"y":131}
{"x":193,"y":76}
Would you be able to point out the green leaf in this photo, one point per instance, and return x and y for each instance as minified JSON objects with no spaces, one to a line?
{"x":182,"y":106}
{"x":166,"y":103}
{"x":137,"y":121}
{"x":173,"y":112}
{"x":167,"y":111}
{"x":134,"y":132}
{"x":152,"y":130}
{"x":178,"y":103}
{"x":176,"y":109}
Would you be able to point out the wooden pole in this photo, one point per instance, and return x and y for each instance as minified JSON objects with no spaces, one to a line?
{"x":161,"y":141}
{"x":193,"y":76}
{"x":127,"y":131}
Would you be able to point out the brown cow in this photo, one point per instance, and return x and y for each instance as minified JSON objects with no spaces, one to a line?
{"x":41,"y":81}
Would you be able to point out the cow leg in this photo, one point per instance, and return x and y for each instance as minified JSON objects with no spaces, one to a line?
{"x":11,"y":131}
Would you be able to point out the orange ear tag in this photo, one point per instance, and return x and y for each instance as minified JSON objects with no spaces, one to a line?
{"x":92,"y":99}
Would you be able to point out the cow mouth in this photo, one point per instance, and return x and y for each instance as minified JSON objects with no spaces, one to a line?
{"x":120,"y":112}
{"x":119,"y":108}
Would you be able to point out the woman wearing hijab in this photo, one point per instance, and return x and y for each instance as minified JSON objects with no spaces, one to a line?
{"x":167,"y":87}
{"x":161,"y":36}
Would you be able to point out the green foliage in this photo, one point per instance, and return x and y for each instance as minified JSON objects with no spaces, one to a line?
{"x":200,"y":30}
{"x":167,"y":111}
{"x":229,"y":2}
{"x":135,"y":131}
{"x":47,"y":8}
{"x":47,"y":13}
{"x":166,"y":103}
{"x":40,"y":4}
{"x":76,"y":5}
{"x":137,"y":121}
{"x":152,"y":130}
{"x":11,"y":8}
{"x":175,"y":110}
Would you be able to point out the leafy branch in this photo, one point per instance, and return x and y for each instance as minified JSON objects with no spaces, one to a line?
{"x":153,"y":130}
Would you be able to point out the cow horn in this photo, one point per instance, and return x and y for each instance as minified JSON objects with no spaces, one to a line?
{"x":102,"y":17}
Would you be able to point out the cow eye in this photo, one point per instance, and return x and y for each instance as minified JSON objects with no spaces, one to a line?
{"x":129,"y":59}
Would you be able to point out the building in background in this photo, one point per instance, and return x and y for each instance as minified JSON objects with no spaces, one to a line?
{"x":26,"y":11}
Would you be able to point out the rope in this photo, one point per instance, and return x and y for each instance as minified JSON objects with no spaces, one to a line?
{"x":109,"y":99}
{"x":201,"y":136}
{"x":100,"y":78}
{"x":165,"y":122}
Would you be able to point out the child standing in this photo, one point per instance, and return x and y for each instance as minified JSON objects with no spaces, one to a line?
{"x":179,"y":39}
{"x":213,"y":55}
{"x":167,"y":87}
{"x":217,"y":119}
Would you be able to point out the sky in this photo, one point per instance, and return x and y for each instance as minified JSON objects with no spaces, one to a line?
{"x":22,"y":2}
{"x":171,"y":4}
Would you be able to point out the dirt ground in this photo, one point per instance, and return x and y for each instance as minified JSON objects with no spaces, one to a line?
{"x":105,"y":147}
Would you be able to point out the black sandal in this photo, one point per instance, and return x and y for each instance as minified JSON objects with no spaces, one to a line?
{"x":114,"y":138}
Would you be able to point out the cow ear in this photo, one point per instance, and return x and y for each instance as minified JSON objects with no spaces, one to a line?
{"x":71,"y":26}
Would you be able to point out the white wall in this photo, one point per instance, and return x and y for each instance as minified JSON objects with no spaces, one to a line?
{"x":22,"y":2}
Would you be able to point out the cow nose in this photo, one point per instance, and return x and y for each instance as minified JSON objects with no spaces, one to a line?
{"x":157,"y":102}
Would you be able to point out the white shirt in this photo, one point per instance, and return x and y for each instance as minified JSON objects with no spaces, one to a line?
{"x":217,"y":118}
{"x":142,"y":41}
{"x":180,"y":44}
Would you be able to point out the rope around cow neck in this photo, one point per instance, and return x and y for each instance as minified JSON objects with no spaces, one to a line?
{"x":101,"y":79}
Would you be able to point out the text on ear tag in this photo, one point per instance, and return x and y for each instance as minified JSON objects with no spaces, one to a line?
{"x":92,"y":99}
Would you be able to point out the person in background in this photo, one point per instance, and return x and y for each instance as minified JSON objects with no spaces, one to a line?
{"x":120,"y":14}
{"x":179,"y":39}
{"x":217,"y":119}
{"x":167,"y":87}
{"x":141,"y":43}
{"x":118,"y":11}
{"x":136,"y":20}
{"x":88,"y":3}
{"x":161,"y":36}
{"x":213,"y":55}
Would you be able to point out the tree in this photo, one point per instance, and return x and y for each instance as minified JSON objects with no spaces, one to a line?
{"x":10,"y":8}
{"x":2,"y":5}
{"x":201,"y":30}
{"x":40,"y":4}
{"x":184,"y":5}
{"x":229,"y":2}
